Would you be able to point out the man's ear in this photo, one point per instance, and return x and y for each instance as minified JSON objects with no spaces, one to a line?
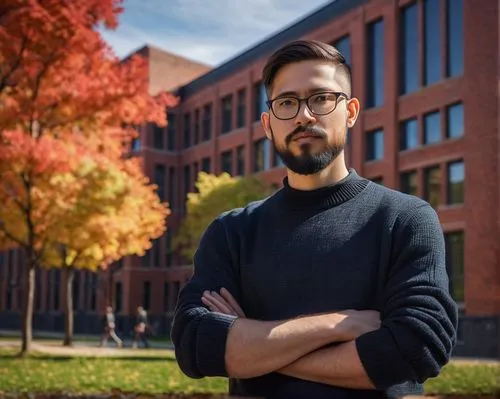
{"x":353,"y":107}
{"x":265,"y":119}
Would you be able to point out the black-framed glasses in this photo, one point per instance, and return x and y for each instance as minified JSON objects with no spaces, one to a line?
{"x":321,"y":103}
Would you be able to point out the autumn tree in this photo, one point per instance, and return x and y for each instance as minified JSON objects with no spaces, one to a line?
{"x":59,"y":79}
{"x":109,"y":211}
{"x":215,"y":195}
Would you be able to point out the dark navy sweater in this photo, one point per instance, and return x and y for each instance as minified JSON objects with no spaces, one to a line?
{"x":352,"y":245}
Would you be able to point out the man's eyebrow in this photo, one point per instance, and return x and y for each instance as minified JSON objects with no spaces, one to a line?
{"x":310,"y":91}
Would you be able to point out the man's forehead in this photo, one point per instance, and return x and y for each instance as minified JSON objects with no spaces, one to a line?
{"x":306,"y":77}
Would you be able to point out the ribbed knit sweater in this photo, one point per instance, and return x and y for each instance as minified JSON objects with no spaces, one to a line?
{"x":351,"y":245}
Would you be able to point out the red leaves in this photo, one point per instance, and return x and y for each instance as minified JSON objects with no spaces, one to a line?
{"x":57,"y":69}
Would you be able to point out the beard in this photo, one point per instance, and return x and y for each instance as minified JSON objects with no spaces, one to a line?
{"x":310,"y":161}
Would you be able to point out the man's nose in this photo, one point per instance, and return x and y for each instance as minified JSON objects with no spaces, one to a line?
{"x":304,"y":116}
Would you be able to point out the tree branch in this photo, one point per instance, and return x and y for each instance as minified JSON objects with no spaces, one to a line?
{"x":17,"y":64}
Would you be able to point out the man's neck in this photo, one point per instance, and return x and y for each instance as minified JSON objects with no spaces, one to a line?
{"x":332,"y":174}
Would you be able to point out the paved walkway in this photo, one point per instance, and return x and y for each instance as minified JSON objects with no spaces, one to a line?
{"x":83,"y":345}
{"x":86,"y":349}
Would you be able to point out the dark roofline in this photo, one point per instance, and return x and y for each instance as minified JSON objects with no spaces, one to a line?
{"x":298,"y":29}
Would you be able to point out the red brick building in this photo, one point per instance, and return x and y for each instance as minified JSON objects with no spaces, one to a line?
{"x":426,"y":73}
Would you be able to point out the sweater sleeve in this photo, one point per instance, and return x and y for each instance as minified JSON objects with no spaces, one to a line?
{"x":199,"y":335}
{"x":419,"y":317}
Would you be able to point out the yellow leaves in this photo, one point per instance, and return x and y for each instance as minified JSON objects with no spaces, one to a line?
{"x":216,"y":194}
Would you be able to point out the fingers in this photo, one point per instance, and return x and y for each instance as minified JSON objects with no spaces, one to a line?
{"x":230,"y":299}
{"x":217,"y":304}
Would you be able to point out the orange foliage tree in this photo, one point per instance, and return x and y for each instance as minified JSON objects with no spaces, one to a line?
{"x":107,"y":210}
{"x":59,"y":80}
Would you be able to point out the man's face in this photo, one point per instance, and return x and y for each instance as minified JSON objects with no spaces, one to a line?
{"x":308,"y":143}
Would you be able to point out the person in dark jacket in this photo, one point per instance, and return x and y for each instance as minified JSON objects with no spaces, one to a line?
{"x":332,"y":287}
{"x":141,"y":328}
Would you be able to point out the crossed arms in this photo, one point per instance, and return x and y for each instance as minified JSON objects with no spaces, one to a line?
{"x":295,"y":347}
{"x":411,"y":341}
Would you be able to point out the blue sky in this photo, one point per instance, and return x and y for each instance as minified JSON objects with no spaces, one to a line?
{"x":209,"y":31}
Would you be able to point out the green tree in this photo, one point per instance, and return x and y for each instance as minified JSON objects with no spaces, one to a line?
{"x":216,"y":194}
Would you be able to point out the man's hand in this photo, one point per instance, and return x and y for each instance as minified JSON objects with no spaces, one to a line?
{"x":223,"y":303}
{"x":350,"y":325}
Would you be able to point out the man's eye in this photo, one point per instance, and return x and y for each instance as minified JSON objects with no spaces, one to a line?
{"x":321,"y":99}
{"x":285,"y":103}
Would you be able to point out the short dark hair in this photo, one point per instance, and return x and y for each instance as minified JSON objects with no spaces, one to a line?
{"x":303,"y":50}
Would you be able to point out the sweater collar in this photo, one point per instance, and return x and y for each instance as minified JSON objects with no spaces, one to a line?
{"x":328,"y":196}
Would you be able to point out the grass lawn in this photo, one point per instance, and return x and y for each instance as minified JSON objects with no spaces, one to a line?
{"x":148,"y":373}
{"x":152,"y":373}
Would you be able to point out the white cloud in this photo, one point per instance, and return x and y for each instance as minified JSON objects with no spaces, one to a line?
{"x":209,"y":31}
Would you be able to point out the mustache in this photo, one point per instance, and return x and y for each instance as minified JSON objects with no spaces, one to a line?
{"x":313,"y":130}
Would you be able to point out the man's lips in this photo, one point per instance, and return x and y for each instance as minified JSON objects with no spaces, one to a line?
{"x":306,"y":136}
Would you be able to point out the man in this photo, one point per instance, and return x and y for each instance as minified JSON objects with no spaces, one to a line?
{"x":109,"y":328}
{"x":140,"y":328}
{"x":334,"y":286}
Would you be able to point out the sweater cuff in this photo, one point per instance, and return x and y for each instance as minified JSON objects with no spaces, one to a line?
{"x":211,"y":343}
{"x":382,"y":359}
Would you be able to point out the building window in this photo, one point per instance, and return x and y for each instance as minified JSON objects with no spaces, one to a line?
{"x":168,"y":252}
{"x":171,"y":186}
{"x":146,"y":259}
{"x":196,"y":170}
{"x":344,"y":46}
{"x":38,"y":288}
{"x":409,"y":134}
{"x":455,"y":263}
{"x":206,"y":165}
{"x":241,"y":108}
{"x":158,"y":136}
{"x":409,"y":78}
{"x":207,"y":122}
{"x":227,"y":113}
{"x":10,"y":281}
{"x":171,"y":132}
{"x":136,"y":144}
{"x":166,"y":292}
{"x":187,"y":130}
{"x":93,"y":291}
{"x":456,"y":179}
{"x":375,"y":67}
{"x":160,"y":181}
{"x":432,"y":41}
{"x":379,"y":180}
{"x":146,"y":295}
{"x":76,"y":289}
{"x":196,"y":138}
{"x":157,"y":252}
{"x":409,"y":182}
{"x":226,"y":161}
{"x":240,"y":160}
{"x":432,"y":185}
{"x":455,"y":121}
{"x":375,"y":145}
{"x":118,"y":297}
{"x":260,"y":97}
{"x":455,"y":36}
{"x":261,"y":155}
{"x":432,"y":128}
{"x":56,"y":286}
{"x":187,"y":184}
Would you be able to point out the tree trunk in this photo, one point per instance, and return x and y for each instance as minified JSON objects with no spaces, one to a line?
{"x":29,"y":295}
{"x":68,"y":310}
